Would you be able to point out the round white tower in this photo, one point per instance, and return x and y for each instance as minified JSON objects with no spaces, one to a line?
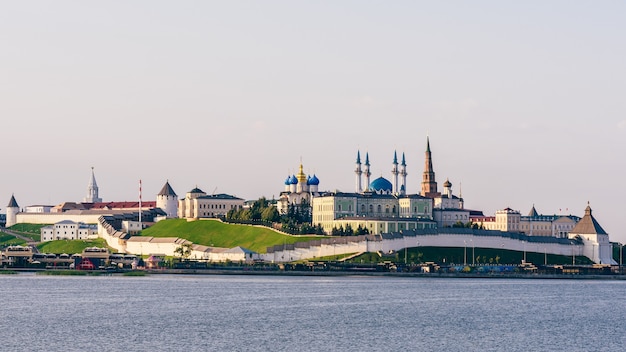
{"x":167,"y":200}
{"x":12,"y":210}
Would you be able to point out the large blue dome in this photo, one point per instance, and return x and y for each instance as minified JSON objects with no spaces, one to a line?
{"x":294,"y":180}
{"x":381,"y":184}
{"x":288,"y":181}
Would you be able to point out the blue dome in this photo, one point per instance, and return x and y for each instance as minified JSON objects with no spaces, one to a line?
{"x":288,"y":181}
{"x":314,"y":181}
{"x":381,"y":184}
{"x":294,"y":180}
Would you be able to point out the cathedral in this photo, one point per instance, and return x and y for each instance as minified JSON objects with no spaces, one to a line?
{"x":298,"y":188}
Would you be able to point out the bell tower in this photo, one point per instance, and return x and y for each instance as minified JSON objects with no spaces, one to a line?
{"x":429,"y":185}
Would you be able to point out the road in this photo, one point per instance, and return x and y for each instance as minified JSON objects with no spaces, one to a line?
{"x":29,"y":241}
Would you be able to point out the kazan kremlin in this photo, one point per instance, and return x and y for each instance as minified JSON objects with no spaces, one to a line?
{"x":394,"y":218}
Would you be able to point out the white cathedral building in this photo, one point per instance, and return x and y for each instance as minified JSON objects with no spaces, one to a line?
{"x":298,"y":188}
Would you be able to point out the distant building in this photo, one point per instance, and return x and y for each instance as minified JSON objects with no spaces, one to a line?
{"x":68,"y":230}
{"x":38,"y":208}
{"x":596,"y":241}
{"x":298,"y":189}
{"x":197,"y":204}
{"x":533,"y":224}
{"x":384,"y":206}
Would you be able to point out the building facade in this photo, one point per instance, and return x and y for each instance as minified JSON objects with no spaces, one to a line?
{"x":197,"y":204}
{"x":68,"y":230}
{"x":534,"y":224}
{"x":298,"y":191}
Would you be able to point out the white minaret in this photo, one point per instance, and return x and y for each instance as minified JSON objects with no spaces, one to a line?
{"x":167,"y":200}
{"x":394,"y":172}
{"x":12,"y":210}
{"x":367,"y":171}
{"x":358,"y":172}
{"x":92,"y":190}
{"x":403,"y":174}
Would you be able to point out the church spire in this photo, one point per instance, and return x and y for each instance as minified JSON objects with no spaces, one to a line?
{"x":92,"y":190}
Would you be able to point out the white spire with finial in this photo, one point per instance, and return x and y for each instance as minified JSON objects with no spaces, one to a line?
{"x":92,"y":190}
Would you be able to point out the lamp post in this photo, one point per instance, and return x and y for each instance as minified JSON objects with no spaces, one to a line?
{"x":524,"y":261}
{"x":545,"y":256}
{"x":621,"y":249}
{"x":464,"y":253}
{"x":473,"y":253}
{"x":405,"y":249}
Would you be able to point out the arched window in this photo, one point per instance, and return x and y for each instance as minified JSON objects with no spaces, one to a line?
{"x":371,"y":208}
{"x":379,"y":208}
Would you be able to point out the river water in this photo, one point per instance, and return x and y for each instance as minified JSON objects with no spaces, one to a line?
{"x":276,"y":313}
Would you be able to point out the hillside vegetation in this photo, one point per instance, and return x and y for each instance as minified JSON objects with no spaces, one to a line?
{"x":70,"y":246}
{"x":9,"y":240}
{"x":32,"y":231}
{"x":218,"y":234}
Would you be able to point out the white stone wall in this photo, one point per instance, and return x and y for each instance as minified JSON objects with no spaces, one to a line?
{"x":440,"y":240}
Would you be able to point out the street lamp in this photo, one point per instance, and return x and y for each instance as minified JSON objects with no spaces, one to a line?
{"x":464,"y":253}
{"x":545,"y":256}
{"x":473,"y":253}
{"x":621,"y":249}
{"x":524,"y":242}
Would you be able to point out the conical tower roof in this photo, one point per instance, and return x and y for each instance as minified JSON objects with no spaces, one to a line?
{"x":533,"y":212}
{"x":588,"y":225}
{"x":167,"y":190}
{"x":12,"y":203}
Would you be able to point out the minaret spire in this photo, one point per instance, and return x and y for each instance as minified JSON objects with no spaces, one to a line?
{"x":394,"y":172}
{"x":403,"y":174}
{"x":358,"y":172}
{"x":366,"y":171}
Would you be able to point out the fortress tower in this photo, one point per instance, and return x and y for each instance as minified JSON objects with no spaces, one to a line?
{"x":12,"y":210}
{"x":429,"y":185}
{"x":167,"y":200}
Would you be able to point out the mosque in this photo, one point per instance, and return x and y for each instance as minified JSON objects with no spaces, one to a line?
{"x":382,"y":206}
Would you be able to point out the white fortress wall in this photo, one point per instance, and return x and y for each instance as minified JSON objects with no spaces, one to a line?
{"x":399,"y":242}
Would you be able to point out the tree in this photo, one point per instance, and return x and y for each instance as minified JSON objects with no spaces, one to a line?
{"x":270,"y":214}
{"x":184,"y":250}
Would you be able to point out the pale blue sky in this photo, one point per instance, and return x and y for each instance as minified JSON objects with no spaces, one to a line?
{"x":523,"y":101}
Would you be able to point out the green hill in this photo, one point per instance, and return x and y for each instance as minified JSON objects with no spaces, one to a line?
{"x":70,"y":246}
{"x":219,"y":234}
{"x":9,"y":240}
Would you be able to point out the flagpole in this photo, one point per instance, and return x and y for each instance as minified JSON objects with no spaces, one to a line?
{"x":140,"y":226}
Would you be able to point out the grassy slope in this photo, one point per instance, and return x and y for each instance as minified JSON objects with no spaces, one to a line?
{"x":29,"y":230}
{"x":70,"y":246}
{"x":8,"y":240}
{"x":218,"y":234}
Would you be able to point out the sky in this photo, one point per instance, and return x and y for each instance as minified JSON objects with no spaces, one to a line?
{"x":523,"y":102}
